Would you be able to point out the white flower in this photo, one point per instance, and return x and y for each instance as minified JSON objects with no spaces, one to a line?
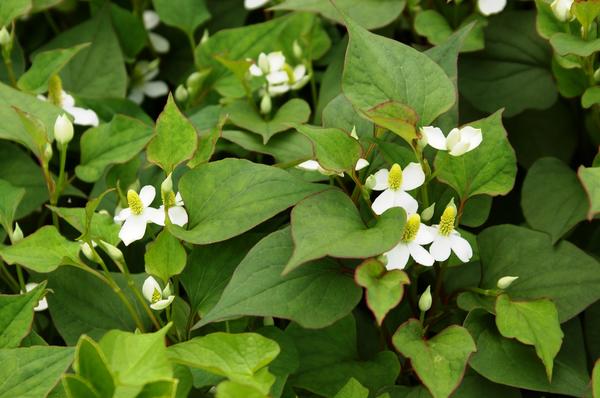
{"x":151,"y":21}
{"x":159,"y":299}
{"x":425,"y":300}
{"x":176,"y":211}
{"x":81,"y":116}
{"x":254,"y":4}
{"x":313,"y":165}
{"x":562,"y":9}
{"x":43,"y":303}
{"x":459,"y":141}
{"x":5,"y":38}
{"x":138,"y":214}
{"x":415,"y":235}
{"x":280,"y":76}
{"x":489,"y":7}
{"x":142,"y":83}
{"x":447,"y":239}
{"x":506,"y":281}
{"x":63,"y":129}
{"x":394,"y":184}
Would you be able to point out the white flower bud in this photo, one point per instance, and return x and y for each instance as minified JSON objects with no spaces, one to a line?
{"x":48,"y":152}
{"x":88,"y":252}
{"x":265,"y":104}
{"x":205,"y":37}
{"x":506,"y":281}
{"x":297,"y":49}
{"x":4,"y":37}
{"x":427,"y":214}
{"x":353,"y":133}
{"x":17,"y":233}
{"x":181,"y":93}
{"x":112,"y":251}
{"x":167,"y":184}
{"x":597,"y":75}
{"x":63,"y":129}
{"x":370,"y":182}
{"x":425,"y":300}
{"x":562,"y":9}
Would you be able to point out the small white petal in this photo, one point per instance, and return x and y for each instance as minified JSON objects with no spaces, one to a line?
{"x":381,"y":180}
{"x":278,"y":77}
{"x":159,"y":43}
{"x":147,"y":194}
{"x":66,"y":100}
{"x":155,"y":89}
{"x":151,"y":19}
{"x":254,"y":4}
{"x":149,"y":286}
{"x":132,"y":229}
{"x":150,"y":74}
{"x":412,"y":177}
{"x":397,"y":257}
{"x":276,"y":61}
{"x":42,"y":305}
{"x":435,"y":137}
{"x":278,"y":89}
{"x":263,"y":62}
{"x":440,"y":248}
{"x":309,"y":165}
{"x":383,"y":202}
{"x":179,"y":199}
{"x":489,"y":7}
{"x":83,"y":117}
{"x":420,"y":255}
{"x":255,"y":70}
{"x":407,"y":202}
{"x":136,"y":95}
{"x":425,"y":235}
{"x":156,"y":216}
{"x":361,"y":164}
{"x":300,"y":83}
{"x":178,"y":216}
{"x":162,"y":304}
{"x":472,"y":135}
{"x":460,"y":148}
{"x":122,"y":215}
{"x":453,"y":138}
{"x":299,"y":72}
{"x":461,"y":247}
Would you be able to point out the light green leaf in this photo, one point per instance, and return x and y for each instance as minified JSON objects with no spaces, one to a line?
{"x":230,"y":389}
{"x":352,"y":389}
{"x":44,"y":66}
{"x":77,"y":387}
{"x":552,"y":198}
{"x":10,"y":197}
{"x":489,"y":169}
{"x":401,"y":73}
{"x":315,"y":295}
{"x":243,"y":115}
{"x":103,"y":227}
{"x":596,"y":379}
{"x":176,"y":138}
{"x":186,"y":15}
{"x":207,"y":143}
{"x":370,"y":14}
{"x":288,"y":146}
{"x":33,"y":371}
{"x":396,"y":117}
{"x":590,"y":178}
{"x":433,"y":26}
{"x":590,"y":97}
{"x":11,"y":9}
{"x":160,"y":389}
{"x":384,"y":288}
{"x":340,"y":114}
{"x":42,"y":251}
{"x":533,"y":323}
{"x":229,"y":197}
{"x":565,"y":43}
{"x":111,"y":143}
{"x":165,"y":257}
{"x":242,"y":358}
{"x":16,"y":315}
{"x":547,"y":24}
{"x":562,"y":273}
{"x":92,"y":366}
{"x":440,"y":361}
{"x":329,"y":224}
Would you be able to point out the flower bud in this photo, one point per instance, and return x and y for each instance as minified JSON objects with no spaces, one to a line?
{"x":506,"y":281}
{"x":195,"y":80}
{"x":562,"y":9}
{"x":297,"y":49}
{"x":370,"y":182}
{"x":167,"y":184}
{"x":181,"y":93}
{"x":17,"y":233}
{"x":112,"y":251}
{"x":265,"y":104}
{"x":597,"y":75}
{"x":353,"y":133}
{"x":48,"y":152}
{"x":427,"y":214}
{"x":4,"y":37}
{"x":205,"y":37}
{"x":425,"y":300}
{"x":88,"y":252}
{"x":63,"y":130}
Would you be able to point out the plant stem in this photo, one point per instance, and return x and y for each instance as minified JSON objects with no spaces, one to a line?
{"x":8,"y":278}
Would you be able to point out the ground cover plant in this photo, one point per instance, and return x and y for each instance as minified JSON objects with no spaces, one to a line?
{"x":299,"y":198}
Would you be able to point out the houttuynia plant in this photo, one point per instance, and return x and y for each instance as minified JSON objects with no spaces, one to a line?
{"x":299,"y":198}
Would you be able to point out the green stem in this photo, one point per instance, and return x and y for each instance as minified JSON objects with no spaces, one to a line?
{"x":313,"y":85}
{"x":20,"y":277}
{"x":8,"y":278}
{"x":9,"y":68}
{"x":485,"y":292}
{"x":192,"y":42}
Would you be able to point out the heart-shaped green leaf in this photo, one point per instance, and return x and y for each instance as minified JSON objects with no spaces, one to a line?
{"x":16,"y":315}
{"x":590,"y":178}
{"x":10,"y":197}
{"x":396,"y":117}
{"x":165,"y":256}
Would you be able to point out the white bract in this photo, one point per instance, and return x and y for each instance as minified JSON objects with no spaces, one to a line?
{"x":489,"y":7}
{"x":562,"y":9}
{"x":159,"y":298}
{"x":142,"y":83}
{"x":415,"y":235}
{"x":63,"y":129}
{"x":313,"y":165}
{"x":459,"y":141}
{"x":394,"y":184}
{"x":254,"y":4}
{"x":81,"y":116}
{"x":175,"y":209}
{"x":447,"y":238}
{"x":138,"y":214}
{"x":43,"y":303}
{"x":151,"y":21}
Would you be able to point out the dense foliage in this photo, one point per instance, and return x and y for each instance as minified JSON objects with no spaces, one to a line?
{"x":299,"y":198}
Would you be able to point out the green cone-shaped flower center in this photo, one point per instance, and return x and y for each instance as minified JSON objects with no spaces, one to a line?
{"x":395,"y":177}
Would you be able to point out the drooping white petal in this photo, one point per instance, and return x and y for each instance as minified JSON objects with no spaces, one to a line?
{"x":147,"y":195}
{"x":276,"y":60}
{"x":151,"y":19}
{"x":440,"y":248}
{"x":133,"y":229}
{"x":255,"y":70}
{"x":309,"y":165}
{"x":420,"y":255}
{"x":435,"y":137}
{"x":472,"y":135}
{"x":412,"y":177}
{"x":42,"y":303}
{"x":155,"y":89}
{"x":489,"y":7}
{"x":122,"y":215}
{"x":453,"y":138}
{"x":407,"y":202}
{"x":361,"y":164}
{"x":83,"y":117}
{"x":162,"y":304}
{"x":178,"y":215}
{"x":179,"y":199}
{"x":299,"y":72}
{"x":156,"y":216}
{"x":149,"y":286}
{"x":425,"y":235}
{"x":397,"y":257}
{"x":278,"y":77}
{"x":136,"y":94}
{"x":159,"y":43}
{"x":381,"y":180}
{"x":383,"y":202}
{"x":461,"y":247}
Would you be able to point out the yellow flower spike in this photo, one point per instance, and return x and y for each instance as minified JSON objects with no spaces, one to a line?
{"x":395,"y":177}
{"x":447,"y":220}
{"x":411,"y":228}
{"x":135,"y":203}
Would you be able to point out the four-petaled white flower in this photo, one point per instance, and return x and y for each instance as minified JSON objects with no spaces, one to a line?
{"x":142,"y":83}
{"x":313,"y":165}
{"x":254,"y":4}
{"x":159,"y":298}
{"x":151,"y":21}
{"x":415,"y":235}
{"x":562,"y":9}
{"x":177,"y":213}
{"x":138,"y":214}
{"x":394,"y":184}
{"x":489,"y":7}
{"x":42,"y":303}
{"x":459,"y":141}
{"x":447,"y":238}
{"x":81,"y":116}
